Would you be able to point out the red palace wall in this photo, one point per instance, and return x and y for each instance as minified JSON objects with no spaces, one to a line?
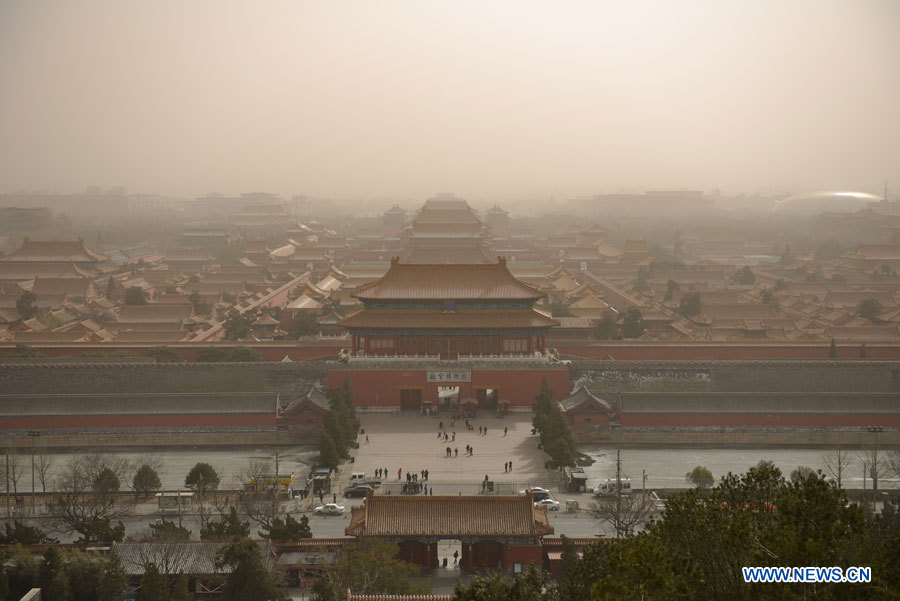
{"x":135,"y":421}
{"x":621,"y":351}
{"x":757,"y":419}
{"x":381,"y":388}
{"x":643,"y":351}
{"x":523,"y":554}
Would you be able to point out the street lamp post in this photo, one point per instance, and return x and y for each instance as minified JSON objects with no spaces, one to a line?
{"x":33,"y":434}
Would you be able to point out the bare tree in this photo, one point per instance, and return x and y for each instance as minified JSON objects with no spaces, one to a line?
{"x":893,"y":462}
{"x":623,"y":512}
{"x":876,"y":467}
{"x":16,"y":469}
{"x":79,"y":505}
{"x":257,"y":500}
{"x":837,"y":460}
{"x":44,"y":464}
{"x":165,"y":545}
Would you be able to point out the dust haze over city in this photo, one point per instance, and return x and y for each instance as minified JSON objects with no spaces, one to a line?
{"x":284,"y":285}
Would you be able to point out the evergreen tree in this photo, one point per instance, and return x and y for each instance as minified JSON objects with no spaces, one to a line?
{"x":328,"y":455}
{"x":180,"y":590}
{"x":53,"y":578}
{"x":335,"y":428}
{"x":288,"y":529}
{"x":114,"y":583}
{"x":633,"y":323}
{"x":606,"y":329}
{"x":25,"y":305}
{"x":135,"y":295}
{"x":164,"y":530}
{"x":4,"y":585}
{"x":569,"y":556}
{"x":202,"y":477}
{"x":164,"y":354}
{"x":249,"y":578}
{"x":226,"y":527}
{"x":153,"y":585}
{"x":145,"y":481}
{"x":689,"y":306}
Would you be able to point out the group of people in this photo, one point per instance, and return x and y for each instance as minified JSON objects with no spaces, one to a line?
{"x":443,"y":434}
{"x":507,"y":467}
{"x":410,"y":476}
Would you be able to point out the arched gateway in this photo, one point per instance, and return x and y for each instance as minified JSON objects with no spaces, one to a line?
{"x":495,"y":531}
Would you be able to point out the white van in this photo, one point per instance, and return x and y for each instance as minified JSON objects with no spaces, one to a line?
{"x":609,"y":487}
{"x":357,"y":478}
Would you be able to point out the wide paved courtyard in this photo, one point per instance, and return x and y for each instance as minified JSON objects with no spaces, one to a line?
{"x":409,"y":442}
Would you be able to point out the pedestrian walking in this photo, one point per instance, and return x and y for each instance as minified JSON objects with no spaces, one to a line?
{"x":456,"y":452}
{"x":334,"y":497}
{"x":441,"y":426}
{"x":384,"y":472}
{"x":505,"y":467}
{"x":485,"y":430}
{"x":426,"y":474}
{"x":455,"y":557}
{"x":504,"y":431}
{"x":408,"y":477}
{"x":510,"y":466}
{"x":321,"y":497}
{"x":454,"y":436}
{"x":399,"y":471}
{"x":439,"y":434}
{"x":367,"y":439}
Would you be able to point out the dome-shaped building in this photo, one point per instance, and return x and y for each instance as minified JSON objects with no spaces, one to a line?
{"x":813,"y":203}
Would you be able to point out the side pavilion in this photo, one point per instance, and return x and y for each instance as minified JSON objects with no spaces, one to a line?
{"x":503,"y":531}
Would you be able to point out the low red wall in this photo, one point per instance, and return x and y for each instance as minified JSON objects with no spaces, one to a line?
{"x":644,"y":351}
{"x":134,"y":421}
{"x":757,"y":419}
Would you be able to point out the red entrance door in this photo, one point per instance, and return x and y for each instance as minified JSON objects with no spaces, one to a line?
{"x":411,"y":399}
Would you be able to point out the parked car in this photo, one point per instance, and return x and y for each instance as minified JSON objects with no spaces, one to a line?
{"x":537,"y":493}
{"x":329,"y":509}
{"x":357,"y":491}
{"x":550,"y":504}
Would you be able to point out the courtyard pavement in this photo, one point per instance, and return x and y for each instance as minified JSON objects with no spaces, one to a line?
{"x":409,"y":441}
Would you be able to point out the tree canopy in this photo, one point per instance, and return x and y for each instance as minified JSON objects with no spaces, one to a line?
{"x":367,"y":566}
{"x":202,"y":477}
{"x":633,"y":324}
{"x":869,"y":308}
{"x":135,"y":295}
{"x":249,"y":578}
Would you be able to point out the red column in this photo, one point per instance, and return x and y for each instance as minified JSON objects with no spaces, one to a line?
{"x":396,"y":344}
{"x":530,"y":343}
{"x":367,"y":344}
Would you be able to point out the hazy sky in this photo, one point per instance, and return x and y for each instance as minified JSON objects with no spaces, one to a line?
{"x":488,"y":99}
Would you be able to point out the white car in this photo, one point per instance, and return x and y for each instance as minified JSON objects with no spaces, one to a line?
{"x":329,"y":509}
{"x":550,"y":504}
{"x":535,"y":489}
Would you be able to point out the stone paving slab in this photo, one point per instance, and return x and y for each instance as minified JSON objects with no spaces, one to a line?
{"x":409,"y":442}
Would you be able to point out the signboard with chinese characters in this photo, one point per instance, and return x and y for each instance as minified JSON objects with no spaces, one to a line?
{"x":449,"y":375}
